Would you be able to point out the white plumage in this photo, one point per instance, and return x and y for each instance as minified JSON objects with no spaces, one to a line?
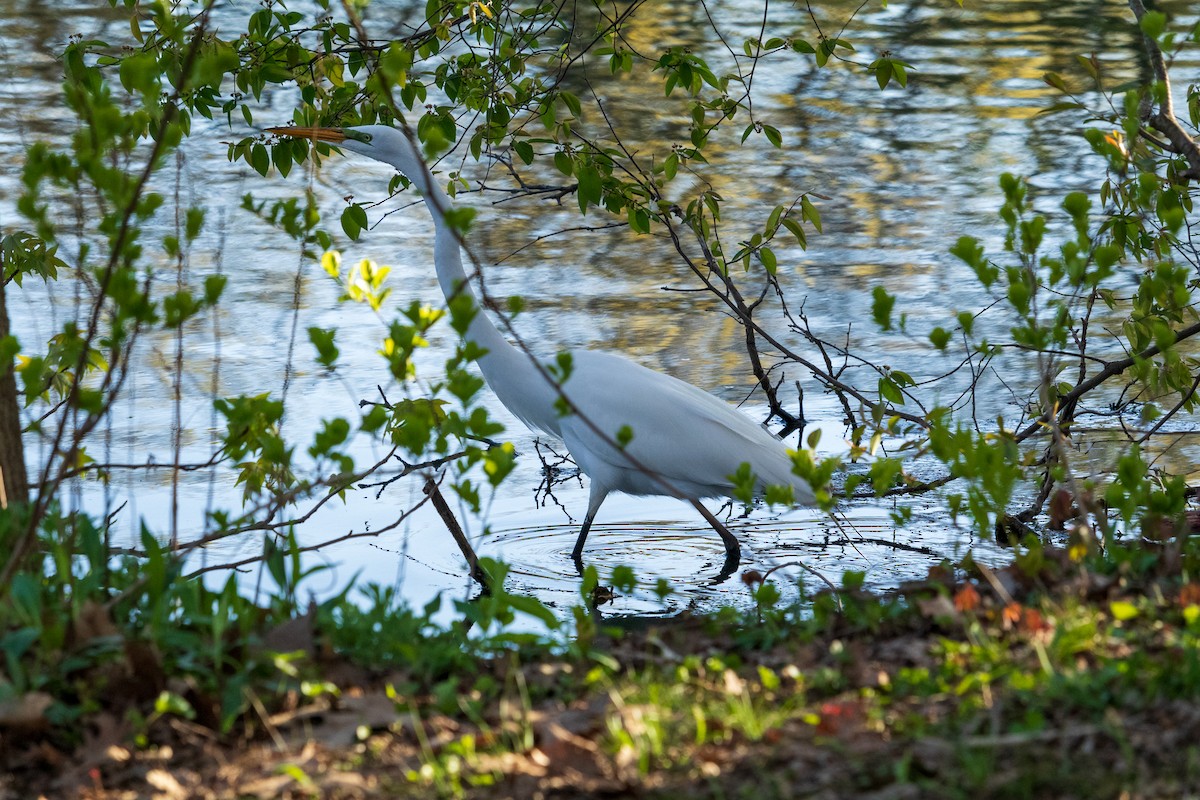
{"x":686,"y":442}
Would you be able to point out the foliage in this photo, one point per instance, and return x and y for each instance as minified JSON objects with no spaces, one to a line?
{"x":1092,"y":308}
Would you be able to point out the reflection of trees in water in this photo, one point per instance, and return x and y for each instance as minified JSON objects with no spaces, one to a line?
{"x":905,"y":171}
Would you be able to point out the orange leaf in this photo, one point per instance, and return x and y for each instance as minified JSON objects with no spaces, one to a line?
{"x":1032,"y":621}
{"x":1011,"y":615}
{"x":967,"y":598}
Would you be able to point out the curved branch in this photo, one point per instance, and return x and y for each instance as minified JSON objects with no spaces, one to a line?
{"x":1164,"y":120}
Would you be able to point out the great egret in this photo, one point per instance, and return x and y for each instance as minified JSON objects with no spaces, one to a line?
{"x":685,"y":442}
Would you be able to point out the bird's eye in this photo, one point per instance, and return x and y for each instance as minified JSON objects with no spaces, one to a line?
{"x":358,"y":136}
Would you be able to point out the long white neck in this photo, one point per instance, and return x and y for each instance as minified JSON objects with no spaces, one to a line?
{"x":511,"y":373}
{"x":447,"y":261}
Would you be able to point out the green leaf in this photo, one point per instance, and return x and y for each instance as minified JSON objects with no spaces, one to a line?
{"x":524,"y":151}
{"x":563,"y":163}
{"x":773,"y":135}
{"x":810,"y":213}
{"x":881,"y":307}
{"x":623,"y":578}
{"x":260,"y":159}
{"x":796,"y":230}
{"x":882,"y":67}
{"x":354,"y":220}
{"x":1055,"y":80}
{"x":1153,"y":23}
{"x":214,"y":286}
{"x":767,"y":257}
{"x":534,"y":608}
{"x":195,"y":221}
{"x":589,"y":188}
{"x":281,"y":155}
{"x":624,"y":436}
{"x":322,"y":339}
{"x":890,"y":391}
{"x":639,"y":219}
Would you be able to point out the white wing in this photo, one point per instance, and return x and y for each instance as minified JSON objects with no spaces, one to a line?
{"x":681,"y":434}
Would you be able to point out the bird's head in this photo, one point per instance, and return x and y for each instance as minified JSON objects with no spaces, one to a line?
{"x":380,"y":142}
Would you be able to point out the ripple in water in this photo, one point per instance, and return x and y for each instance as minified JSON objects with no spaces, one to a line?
{"x":689,"y":557}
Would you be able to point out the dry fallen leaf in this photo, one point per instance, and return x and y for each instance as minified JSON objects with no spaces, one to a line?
{"x":26,"y":711}
{"x":1011,"y":615}
{"x":293,"y":635}
{"x":92,"y":622}
{"x":967,"y":598}
{"x":1189,"y":595}
{"x":166,"y":784}
{"x":937,"y":607}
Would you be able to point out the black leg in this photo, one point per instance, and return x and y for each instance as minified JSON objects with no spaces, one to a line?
{"x":733,"y":550}
{"x":577,"y":553}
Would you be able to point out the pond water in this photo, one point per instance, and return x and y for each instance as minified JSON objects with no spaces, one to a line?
{"x":905,"y":173}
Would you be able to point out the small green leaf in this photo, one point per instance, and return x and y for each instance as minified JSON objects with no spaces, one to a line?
{"x":1153,"y":23}
{"x":322,"y":339}
{"x":624,"y":436}
{"x":810,"y":213}
{"x":623,"y":578}
{"x":890,"y":391}
{"x":1055,"y":80}
{"x":767,"y":257}
{"x":881,"y":307}
{"x":882,"y":67}
{"x":524,"y":151}
{"x":563,"y":163}
{"x":797,"y":231}
{"x":260,"y":159}
{"x":350,"y":222}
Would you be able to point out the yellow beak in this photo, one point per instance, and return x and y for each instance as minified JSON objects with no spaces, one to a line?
{"x":333,"y":135}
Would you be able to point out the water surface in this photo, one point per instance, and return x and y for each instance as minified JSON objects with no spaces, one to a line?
{"x":905,"y":173}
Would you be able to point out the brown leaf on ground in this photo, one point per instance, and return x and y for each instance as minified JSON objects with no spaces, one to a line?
{"x":1189,"y":595}
{"x":339,"y":726}
{"x":102,"y":746}
{"x":168,"y":786}
{"x":903,"y":651}
{"x":296,"y":634}
{"x":937,"y":607}
{"x":266,"y":788}
{"x":1033,"y":622}
{"x":563,"y":739}
{"x":92,"y":622}
{"x":26,"y":711}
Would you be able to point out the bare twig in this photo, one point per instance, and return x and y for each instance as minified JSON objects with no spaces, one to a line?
{"x":443,"y":508}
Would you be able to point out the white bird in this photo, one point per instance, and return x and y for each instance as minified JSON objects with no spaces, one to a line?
{"x":685,"y":443}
